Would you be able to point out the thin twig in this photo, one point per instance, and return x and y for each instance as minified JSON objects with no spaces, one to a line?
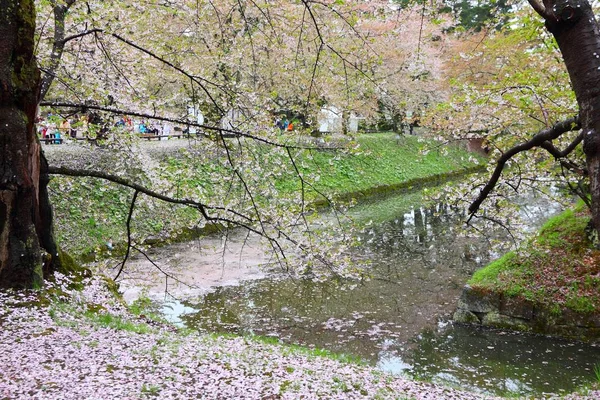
{"x":131,"y":208}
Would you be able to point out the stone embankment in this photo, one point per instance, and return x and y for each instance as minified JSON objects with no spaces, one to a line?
{"x":480,"y":306}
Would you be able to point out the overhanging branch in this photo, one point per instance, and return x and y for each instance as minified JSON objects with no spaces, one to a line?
{"x":539,"y":8}
{"x":548,"y":146}
{"x":60,"y":14}
{"x":235,"y":218}
{"x":203,"y":208}
{"x":79,"y":35}
{"x":131,"y":208}
{"x":243,"y":221}
{"x":561,"y":155}
{"x":538,"y":140}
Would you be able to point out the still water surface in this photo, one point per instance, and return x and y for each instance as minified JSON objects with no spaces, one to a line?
{"x":399,"y":319}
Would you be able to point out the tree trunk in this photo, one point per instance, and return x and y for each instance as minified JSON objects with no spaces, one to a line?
{"x":27,"y":248}
{"x":60,"y":14}
{"x":575,"y":29}
{"x":345,"y":120}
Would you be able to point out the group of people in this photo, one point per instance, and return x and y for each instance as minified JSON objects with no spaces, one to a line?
{"x":53,"y":129}
{"x":284,"y":124}
{"x":143,"y":127}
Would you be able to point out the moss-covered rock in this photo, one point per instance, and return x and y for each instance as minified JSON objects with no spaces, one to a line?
{"x":551,"y":285}
{"x":466,"y":317}
{"x":69,"y":266}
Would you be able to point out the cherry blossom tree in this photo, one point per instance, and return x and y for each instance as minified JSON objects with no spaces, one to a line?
{"x":249,"y":59}
{"x":105,"y":56}
{"x":27,"y":247}
{"x":575,"y":29}
{"x":535,"y":106}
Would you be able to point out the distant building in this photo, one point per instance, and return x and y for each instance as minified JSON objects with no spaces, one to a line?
{"x":331,"y":121}
{"x":229,"y":121}
{"x":196,"y":116}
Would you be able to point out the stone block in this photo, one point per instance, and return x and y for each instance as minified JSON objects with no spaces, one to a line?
{"x":497,"y":320}
{"x":573,"y":318}
{"x":517,"y":307}
{"x":466,"y":317}
{"x":478,"y":301}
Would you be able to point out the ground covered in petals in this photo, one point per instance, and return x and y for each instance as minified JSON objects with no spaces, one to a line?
{"x":67,"y":343}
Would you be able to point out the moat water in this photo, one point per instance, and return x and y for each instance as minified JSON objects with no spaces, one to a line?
{"x":399,"y":319}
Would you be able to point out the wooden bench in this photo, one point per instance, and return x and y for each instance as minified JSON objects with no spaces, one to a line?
{"x":49,"y":140}
{"x":149,"y":136}
{"x":160,"y":137}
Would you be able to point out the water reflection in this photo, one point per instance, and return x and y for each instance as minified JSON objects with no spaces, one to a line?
{"x":502,"y":362}
{"x":397,"y":320}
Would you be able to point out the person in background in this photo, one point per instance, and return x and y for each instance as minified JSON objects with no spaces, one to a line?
{"x":57,"y":136}
{"x":142,"y":128}
{"x":84,"y":124}
{"x":65,"y":128}
{"x":73,"y":130}
{"x":152,"y":129}
{"x":128,"y":123}
{"x":42,"y":128}
{"x":50,"y":132}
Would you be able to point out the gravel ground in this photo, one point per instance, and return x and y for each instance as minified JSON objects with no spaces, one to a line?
{"x":84,"y":154}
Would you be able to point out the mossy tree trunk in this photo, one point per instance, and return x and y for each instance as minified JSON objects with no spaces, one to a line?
{"x":574,"y":26}
{"x":28,"y":251}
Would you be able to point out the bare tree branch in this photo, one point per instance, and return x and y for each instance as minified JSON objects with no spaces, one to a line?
{"x":80,"y":35}
{"x":348,"y":23}
{"x":203,"y":208}
{"x":131,"y":208}
{"x":499,"y":223}
{"x":242,"y":221}
{"x":319,"y":51}
{"x":118,"y":69}
{"x":61,"y":40}
{"x":561,"y":155}
{"x":538,"y":140}
{"x":63,"y":82}
{"x":199,"y":81}
{"x":165,"y":273}
{"x":421,"y":31}
{"x":568,"y":150}
{"x":538,"y":7}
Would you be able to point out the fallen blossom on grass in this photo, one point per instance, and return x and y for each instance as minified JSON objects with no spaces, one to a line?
{"x":86,"y":345}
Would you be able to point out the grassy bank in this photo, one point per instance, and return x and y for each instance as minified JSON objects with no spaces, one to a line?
{"x":90,"y":211}
{"x":559,"y":268}
{"x":381,"y":160}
